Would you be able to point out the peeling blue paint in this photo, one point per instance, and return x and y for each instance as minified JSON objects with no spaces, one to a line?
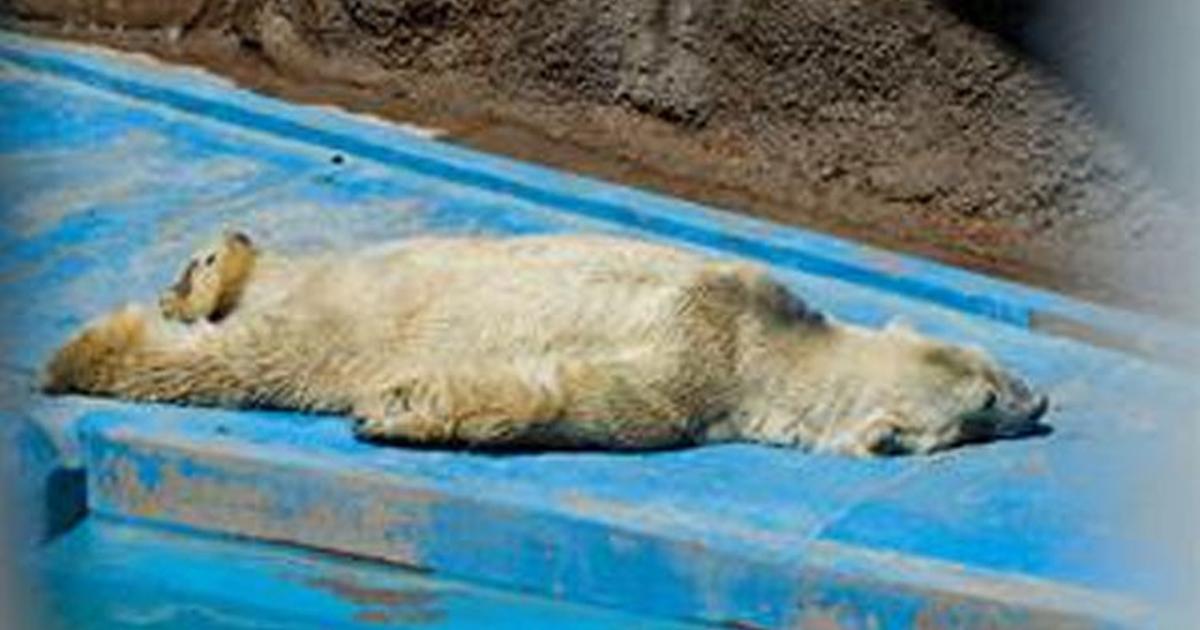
{"x":734,"y":532}
{"x":109,"y":574}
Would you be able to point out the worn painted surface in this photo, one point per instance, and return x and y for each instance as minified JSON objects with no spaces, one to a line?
{"x":41,"y":492}
{"x":107,"y":574}
{"x":721,"y":533}
{"x":115,"y":168}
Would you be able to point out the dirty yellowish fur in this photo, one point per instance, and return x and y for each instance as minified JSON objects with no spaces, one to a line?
{"x":540,"y":342}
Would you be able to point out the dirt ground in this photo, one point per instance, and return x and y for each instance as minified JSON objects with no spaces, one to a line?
{"x":911,"y":124}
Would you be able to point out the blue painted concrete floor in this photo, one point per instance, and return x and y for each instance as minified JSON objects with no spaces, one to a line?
{"x":114,"y":168}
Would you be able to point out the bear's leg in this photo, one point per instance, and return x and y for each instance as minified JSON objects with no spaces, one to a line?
{"x":498,"y":407}
{"x":388,"y":417}
{"x":775,"y":428}
{"x":538,"y":403}
{"x":96,"y":360}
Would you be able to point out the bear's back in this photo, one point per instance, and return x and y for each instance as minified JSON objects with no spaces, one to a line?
{"x":460,"y":299}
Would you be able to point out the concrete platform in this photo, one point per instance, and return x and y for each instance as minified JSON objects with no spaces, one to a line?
{"x":115,"y":167}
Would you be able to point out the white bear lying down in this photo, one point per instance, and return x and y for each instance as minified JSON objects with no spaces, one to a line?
{"x":541,"y":342}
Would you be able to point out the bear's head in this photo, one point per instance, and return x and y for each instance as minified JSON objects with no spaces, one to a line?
{"x":921,"y":395}
{"x":212,"y":282}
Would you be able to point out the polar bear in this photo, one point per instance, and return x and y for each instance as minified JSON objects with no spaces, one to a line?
{"x":551,"y":341}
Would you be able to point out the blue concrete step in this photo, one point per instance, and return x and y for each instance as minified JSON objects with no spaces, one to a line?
{"x":730,"y":534}
{"x":125,"y":165}
{"x":110,"y":574}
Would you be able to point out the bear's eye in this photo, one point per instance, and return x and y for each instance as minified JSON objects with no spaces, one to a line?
{"x":212,"y":258}
{"x":991,"y":399}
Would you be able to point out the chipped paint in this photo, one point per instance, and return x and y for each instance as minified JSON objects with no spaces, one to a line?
{"x":571,"y":545}
{"x":222,"y":494}
{"x":106,"y":574}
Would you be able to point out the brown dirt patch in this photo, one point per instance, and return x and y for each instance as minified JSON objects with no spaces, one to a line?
{"x":896,"y":123}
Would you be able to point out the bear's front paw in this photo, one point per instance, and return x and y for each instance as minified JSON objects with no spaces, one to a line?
{"x":402,"y":427}
{"x":371,"y":429}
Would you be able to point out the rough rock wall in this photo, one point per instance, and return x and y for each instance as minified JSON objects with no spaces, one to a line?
{"x":899,"y":100}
